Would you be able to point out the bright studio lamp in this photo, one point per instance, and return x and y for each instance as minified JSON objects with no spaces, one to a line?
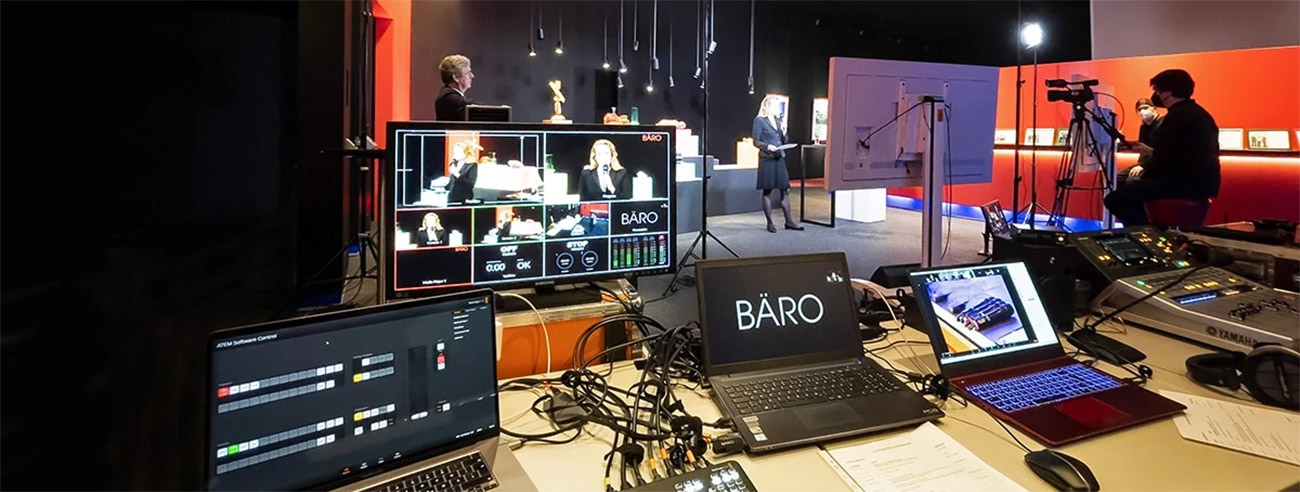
{"x":1031,"y":35}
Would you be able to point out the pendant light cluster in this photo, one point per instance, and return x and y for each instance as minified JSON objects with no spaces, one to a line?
{"x":704,"y":45}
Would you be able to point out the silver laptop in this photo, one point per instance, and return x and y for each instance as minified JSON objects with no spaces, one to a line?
{"x":394,"y":397}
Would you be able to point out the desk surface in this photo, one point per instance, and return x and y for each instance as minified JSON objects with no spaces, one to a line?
{"x":1152,"y":456}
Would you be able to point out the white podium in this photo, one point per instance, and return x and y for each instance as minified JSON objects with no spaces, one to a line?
{"x":860,"y":205}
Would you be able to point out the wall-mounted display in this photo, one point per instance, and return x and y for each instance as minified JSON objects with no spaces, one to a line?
{"x":821,"y":110}
{"x":1062,"y":137}
{"x":1231,"y":138}
{"x":1037,"y":135}
{"x":1004,"y":136}
{"x":1269,"y":140}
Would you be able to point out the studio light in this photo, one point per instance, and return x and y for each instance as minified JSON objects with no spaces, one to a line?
{"x":622,"y":65}
{"x":604,"y":63}
{"x":1031,"y":35}
{"x":532,"y":53}
{"x":559,"y":44}
{"x":650,"y":87}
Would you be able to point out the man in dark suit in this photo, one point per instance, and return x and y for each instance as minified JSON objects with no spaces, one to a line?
{"x":1184,"y":160}
{"x":457,"y":77}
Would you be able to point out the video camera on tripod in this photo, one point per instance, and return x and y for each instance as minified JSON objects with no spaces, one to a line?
{"x":1077,"y":95}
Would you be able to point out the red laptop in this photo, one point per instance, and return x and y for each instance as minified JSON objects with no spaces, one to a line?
{"x":996,"y":345}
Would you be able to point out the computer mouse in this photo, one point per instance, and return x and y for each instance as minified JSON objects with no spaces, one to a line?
{"x":1062,"y":471}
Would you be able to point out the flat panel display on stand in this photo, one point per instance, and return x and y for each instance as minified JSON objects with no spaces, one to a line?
{"x":507,"y":205}
{"x":870,"y":122}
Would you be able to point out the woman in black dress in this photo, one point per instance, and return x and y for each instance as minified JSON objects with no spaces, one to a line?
{"x":773,"y":179}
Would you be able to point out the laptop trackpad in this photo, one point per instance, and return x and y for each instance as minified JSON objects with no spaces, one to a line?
{"x":1090,"y":411}
{"x":823,"y":416}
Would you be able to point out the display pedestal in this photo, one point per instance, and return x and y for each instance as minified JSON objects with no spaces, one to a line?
{"x":860,"y":205}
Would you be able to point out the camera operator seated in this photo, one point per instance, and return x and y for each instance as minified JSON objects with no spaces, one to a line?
{"x":1151,"y":122}
{"x":1182,"y":161}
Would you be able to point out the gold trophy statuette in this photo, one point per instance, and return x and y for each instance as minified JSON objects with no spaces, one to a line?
{"x":557,"y":98}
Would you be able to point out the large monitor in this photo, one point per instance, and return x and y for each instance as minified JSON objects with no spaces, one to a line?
{"x":520,"y":205}
{"x":869,"y":145}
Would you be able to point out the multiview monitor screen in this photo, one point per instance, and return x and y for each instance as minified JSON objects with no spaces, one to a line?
{"x":517,"y":205}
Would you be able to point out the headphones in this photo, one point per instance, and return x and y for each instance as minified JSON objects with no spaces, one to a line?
{"x":1270,"y":373}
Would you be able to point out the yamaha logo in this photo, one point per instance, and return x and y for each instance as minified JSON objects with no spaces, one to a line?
{"x":1236,"y":338}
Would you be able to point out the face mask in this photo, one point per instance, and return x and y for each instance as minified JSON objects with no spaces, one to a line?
{"x":1147,"y":116}
{"x":1156,"y":101}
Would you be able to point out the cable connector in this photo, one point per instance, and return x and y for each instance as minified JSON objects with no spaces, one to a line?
{"x":727,"y":444}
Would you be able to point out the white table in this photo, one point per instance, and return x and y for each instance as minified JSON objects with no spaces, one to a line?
{"x":1151,"y":456}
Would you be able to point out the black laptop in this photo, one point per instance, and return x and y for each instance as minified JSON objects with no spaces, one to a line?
{"x":394,"y":397}
{"x":784,"y":356}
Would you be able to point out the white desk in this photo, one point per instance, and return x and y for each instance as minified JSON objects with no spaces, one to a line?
{"x":1151,"y":456}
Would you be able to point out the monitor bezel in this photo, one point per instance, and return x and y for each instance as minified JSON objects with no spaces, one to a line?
{"x":209,"y":399}
{"x":388,"y":210}
{"x":953,"y":370}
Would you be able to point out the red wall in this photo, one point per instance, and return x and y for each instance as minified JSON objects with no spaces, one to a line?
{"x":1253,"y":89}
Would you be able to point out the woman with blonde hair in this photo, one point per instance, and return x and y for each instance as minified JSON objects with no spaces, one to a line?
{"x":773,"y":178}
{"x":431,"y":232}
{"x":462,"y":171}
{"x":604,"y":177}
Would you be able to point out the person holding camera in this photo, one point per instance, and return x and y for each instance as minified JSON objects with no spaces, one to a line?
{"x":1183,"y":159}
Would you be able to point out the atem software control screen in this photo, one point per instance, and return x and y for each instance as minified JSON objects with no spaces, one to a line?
{"x":521,"y":204}
{"x":317,"y":401}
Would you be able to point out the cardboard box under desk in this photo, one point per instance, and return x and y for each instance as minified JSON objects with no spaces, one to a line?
{"x":523,"y":347}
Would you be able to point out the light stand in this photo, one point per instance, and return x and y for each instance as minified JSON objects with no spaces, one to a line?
{"x":702,"y":238}
{"x":1032,"y":35}
{"x":1020,"y":82}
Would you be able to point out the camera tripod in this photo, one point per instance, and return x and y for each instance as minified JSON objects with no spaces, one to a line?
{"x":1083,"y":144}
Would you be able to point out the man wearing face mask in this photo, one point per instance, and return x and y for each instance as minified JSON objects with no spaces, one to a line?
{"x":1146,"y":135}
{"x":1183,"y":159}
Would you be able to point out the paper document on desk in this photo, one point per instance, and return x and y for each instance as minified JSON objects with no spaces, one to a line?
{"x":925,"y":459}
{"x":1259,"y":431}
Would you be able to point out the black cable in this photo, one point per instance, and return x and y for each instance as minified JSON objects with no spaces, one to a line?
{"x":863,"y":142}
{"x":1009,"y":433}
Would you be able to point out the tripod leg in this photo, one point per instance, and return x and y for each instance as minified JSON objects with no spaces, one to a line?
{"x":724,"y":245}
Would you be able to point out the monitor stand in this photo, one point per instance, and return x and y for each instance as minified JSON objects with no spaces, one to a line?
{"x":547,"y":296}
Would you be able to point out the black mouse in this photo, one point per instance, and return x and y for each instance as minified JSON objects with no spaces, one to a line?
{"x":1062,"y":471}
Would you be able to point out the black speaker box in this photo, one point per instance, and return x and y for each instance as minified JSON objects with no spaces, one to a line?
{"x":1053,"y":268}
{"x":894,"y":276}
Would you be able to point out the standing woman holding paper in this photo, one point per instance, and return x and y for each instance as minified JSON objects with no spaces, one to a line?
{"x":773,"y":178}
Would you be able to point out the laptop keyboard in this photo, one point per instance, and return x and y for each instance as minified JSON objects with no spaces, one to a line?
{"x":1042,"y":388}
{"x":468,"y":473}
{"x":810,"y":388}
